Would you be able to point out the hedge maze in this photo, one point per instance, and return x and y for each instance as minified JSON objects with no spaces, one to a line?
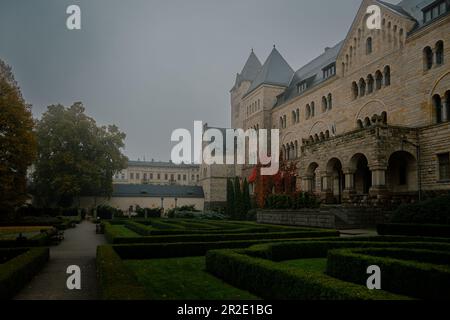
{"x":411,"y":268}
{"x":196,"y":259}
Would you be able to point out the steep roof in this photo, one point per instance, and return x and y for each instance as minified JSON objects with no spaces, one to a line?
{"x":311,"y":72}
{"x":275,"y":71}
{"x":250,"y":70}
{"x":156,"y":191}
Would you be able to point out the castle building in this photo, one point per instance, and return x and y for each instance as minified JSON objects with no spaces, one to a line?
{"x":367,"y":121}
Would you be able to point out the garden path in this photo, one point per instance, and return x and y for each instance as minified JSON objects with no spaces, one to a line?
{"x":78,"y":248}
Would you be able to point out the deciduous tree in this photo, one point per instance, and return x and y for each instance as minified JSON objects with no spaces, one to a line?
{"x":17,"y":144}
{"x":76,"y":157}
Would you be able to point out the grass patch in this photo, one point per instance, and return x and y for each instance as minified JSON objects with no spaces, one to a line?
{"x":123,"y":231}
{"x":182,"y":279}
{"x":312,"y":265}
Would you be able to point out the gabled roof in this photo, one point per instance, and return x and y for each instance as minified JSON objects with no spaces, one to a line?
{"x":156,"y":191}
{"x":275,"y":71}
{"x":311,"y":73}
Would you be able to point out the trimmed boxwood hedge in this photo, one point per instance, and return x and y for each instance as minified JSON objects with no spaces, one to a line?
{"x":428,"y":230}
{"x":319,"y":248}
{"x":217,"y":237}
{"x":270,"y":280}
{"x":145,"y":230}
{"x":42,"y":239}
{"x":114,"y":278}
{"x":185,"y":249}
{"x":16,"y":272}
{"x":422,"y":275}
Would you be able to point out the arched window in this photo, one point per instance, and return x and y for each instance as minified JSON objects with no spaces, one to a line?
{"x":387,"y":76}
{"x":370,"y":83}
{"x":294,"y":117}
{"x":281,"y":122}
{"x":447,"y":105}
{"x":324,"y":104}
{"x":355,"y":90}
{"x":308,"y":111}
{"x":439,"y":52}
{"x":427,"y":58}
{"x":284,"y":121}
{"x":378,"y":80}
{"x":296,"y":149}
{"x":369,"y":45}
{"x":367,"y":122}
{"x":316,"y":137}
{"x":298,"y":115}
{"x":384,"y":117}
{"x":322,"y":136}
{"x":330,"y":102}
{"x":362,"y":87}
{"x":359,"y":124}
{"x":313,"y":111}
{"x":437,"y":105}
{"x":327,"y":134}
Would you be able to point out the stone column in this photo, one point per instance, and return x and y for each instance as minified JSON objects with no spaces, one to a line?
{"x":307,"y":184}
{"x":379,"y":189}
{"x":349,"y":190}
{"x":326,"y":193}
{"x":445,"y":116}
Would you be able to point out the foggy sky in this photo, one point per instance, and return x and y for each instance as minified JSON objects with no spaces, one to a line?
{"x":153,"y":66}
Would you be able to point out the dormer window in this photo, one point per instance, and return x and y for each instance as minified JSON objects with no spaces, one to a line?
{"x":434,"y":10}
{"x":302,"y":86}
{"x":329,"y":71}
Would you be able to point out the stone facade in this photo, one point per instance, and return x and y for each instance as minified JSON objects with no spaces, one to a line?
{"x":368,"y":120}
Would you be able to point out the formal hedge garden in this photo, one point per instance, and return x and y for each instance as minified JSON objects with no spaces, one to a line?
{"x":164,"y":259}
{"x":176,"y":231}
{"x":412,"y":268}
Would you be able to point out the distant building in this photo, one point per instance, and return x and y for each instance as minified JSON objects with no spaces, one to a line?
{"x":127,"y":197}
{"x":158,"y":173}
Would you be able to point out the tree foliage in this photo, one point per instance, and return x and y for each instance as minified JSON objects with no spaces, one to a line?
{"x":246,"y":198}
{"x":230,"y":210}
{"x":17,"y":145}
{"x":75,"y":156}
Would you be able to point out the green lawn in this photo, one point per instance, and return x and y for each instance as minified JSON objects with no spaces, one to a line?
{"x":316,"y":264}
{"x":183,"y":279}
{"x":123,"y":231}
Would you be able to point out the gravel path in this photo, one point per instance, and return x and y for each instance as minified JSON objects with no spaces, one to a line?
{"x":78,"y":248}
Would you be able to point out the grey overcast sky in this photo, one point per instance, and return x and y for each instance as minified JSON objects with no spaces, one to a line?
{"x":151,"y":66}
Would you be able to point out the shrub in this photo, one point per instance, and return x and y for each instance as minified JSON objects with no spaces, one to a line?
{"x":300,"y":200}
{"x":431,"y":211}
{"x":16,"y":272}
{"x":114,"y":278}
{"x":107,"y":212}
{"x":151,"y":212}
{"x":426,"y":230}
{"x":418,"y":276}
{"x":270,"y":280}
{"x":318,"y":248}
{"x":221,"y":237}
